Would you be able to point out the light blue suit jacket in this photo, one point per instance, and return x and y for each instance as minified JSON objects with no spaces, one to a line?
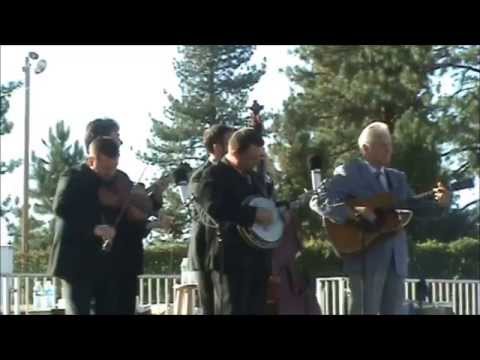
{"x":356,"y":180}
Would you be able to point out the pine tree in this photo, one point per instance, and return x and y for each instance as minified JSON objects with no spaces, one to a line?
{"x":215,"y":82}
{"x":6,"y":126}
{"x":45,"y":172}
{"x":9,"y":206}
{"x":458,"y":111}
{"x":343,"y":88}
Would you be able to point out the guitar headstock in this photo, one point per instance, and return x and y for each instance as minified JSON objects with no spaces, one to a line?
{"x":463,"y":184}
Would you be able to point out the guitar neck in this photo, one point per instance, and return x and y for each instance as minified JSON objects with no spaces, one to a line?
{"x":422,"y":195}
{"x":459,"y":185}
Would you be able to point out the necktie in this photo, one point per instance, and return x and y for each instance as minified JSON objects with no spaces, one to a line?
{"x":381,"y":179}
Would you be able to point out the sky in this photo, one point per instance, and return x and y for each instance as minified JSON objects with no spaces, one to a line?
{"x":126,"y":83}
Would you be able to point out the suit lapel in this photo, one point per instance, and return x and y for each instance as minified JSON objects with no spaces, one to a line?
{"x":370,"y":177}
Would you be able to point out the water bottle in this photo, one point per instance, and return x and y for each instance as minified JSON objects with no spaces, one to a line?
{"x":43,"y":298}
{"x":184,"y":270}
{"x":49,"y":295}
{"x":54,"y":296}
{"x":37,"y":295}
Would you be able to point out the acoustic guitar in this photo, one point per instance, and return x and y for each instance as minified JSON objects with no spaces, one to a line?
{"x":359,"y":234}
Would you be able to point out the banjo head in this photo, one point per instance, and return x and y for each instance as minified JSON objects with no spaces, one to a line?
{"x":260,"y":236}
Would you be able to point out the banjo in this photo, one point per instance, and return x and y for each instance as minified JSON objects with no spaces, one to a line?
{"x":266,"y":236}
{"x":269,"y":236}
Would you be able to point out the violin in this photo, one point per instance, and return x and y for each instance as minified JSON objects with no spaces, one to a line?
{"x":132,"y":200}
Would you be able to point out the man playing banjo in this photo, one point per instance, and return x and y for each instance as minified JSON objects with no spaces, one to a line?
{"x":239,"y":271}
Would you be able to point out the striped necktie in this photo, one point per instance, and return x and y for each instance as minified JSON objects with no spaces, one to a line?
{"x":382,"y":180}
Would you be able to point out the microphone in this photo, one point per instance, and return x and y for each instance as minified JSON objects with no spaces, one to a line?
{"x":180,"y":177}
{"x":315,"y":165}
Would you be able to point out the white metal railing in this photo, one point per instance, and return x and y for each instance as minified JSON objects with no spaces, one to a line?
{"x":16,"y":291}
{"x":157,"y":290}
{"x":333,"y":294}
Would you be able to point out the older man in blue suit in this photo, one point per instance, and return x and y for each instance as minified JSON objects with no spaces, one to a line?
{"x":381,"y":271}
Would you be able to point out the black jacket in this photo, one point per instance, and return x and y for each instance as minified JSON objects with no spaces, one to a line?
{"x":127,"y":250}
{"x":76,"y":252}
{"x":221,"y":192}
{"x":199,"y":242}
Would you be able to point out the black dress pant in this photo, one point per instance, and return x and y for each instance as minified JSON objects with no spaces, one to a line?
{"x":205,"y":292}
{"x":241,"y":292}
{"x":82,"y":296}
{"x":125,"y":292}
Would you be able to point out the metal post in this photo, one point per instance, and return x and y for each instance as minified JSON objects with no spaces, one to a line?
{"x":16,"y":295}
{"x":5,"y":295}
{"x":26,"y":159}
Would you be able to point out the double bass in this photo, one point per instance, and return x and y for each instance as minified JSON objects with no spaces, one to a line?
{"x":273,"y":284}
{"x":288,"y":292}
{"x":266,"y":187}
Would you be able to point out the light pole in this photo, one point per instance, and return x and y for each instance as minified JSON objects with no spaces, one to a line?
{"x":41,"y":65}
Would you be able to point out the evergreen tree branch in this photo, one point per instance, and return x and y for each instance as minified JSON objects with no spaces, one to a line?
{"x":453,"y":65}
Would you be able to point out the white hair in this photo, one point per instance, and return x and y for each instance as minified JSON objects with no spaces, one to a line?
{"x":375,"y":132}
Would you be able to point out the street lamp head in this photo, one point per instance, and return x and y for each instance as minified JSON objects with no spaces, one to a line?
{"x":33,"y":55}
{"x":41,"y":65}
